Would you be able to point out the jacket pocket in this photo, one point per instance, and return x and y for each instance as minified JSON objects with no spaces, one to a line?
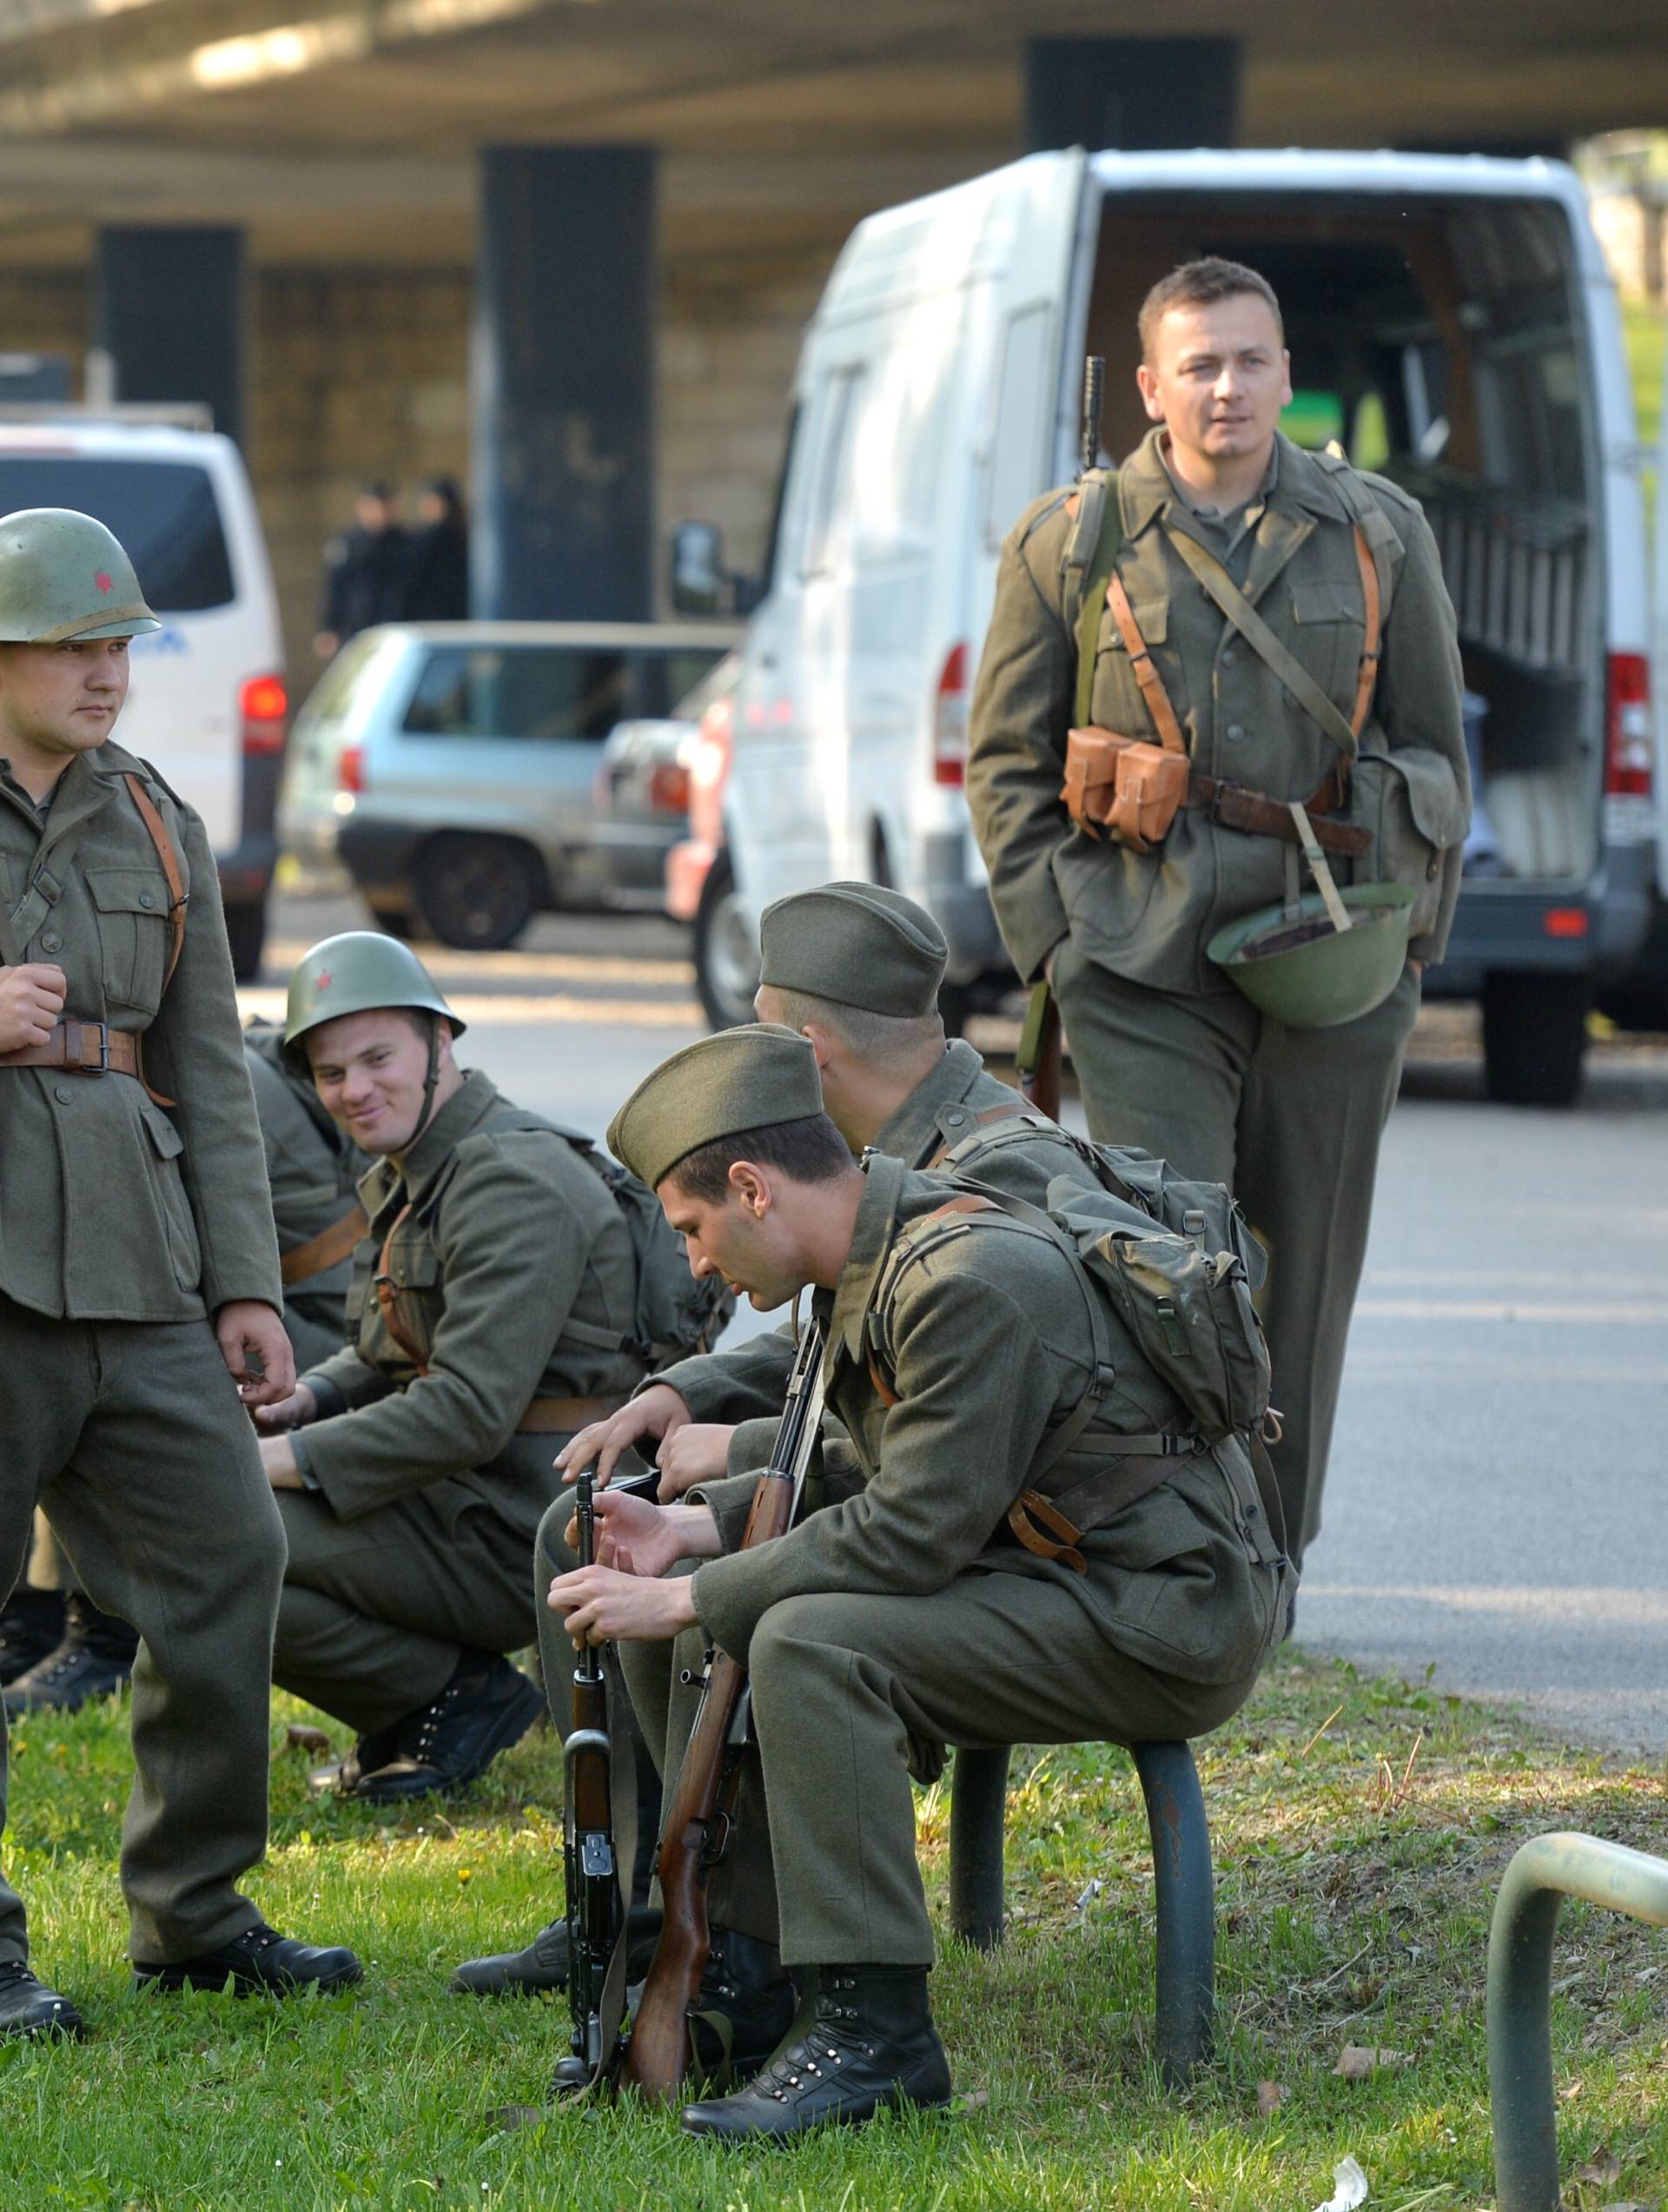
{"x":1410,"y":803}
{"x":1330,"y":623}
{"x":184,"y":1252}
{"x":133,"y":934}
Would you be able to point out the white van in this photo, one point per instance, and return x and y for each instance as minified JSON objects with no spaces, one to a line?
{"x":207,"y":705}
{"x":1450,"y":320}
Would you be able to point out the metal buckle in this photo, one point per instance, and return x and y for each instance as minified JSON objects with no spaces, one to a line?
{"x":101,"y":1065}
{"x":1224,"y":788}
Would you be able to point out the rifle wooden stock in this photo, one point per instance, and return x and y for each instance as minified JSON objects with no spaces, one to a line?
{"x":1037,"y":1062}
{"x":657,"y":2057}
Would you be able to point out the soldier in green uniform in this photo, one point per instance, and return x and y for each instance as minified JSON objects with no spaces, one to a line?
{"x":857,"y":968}
{"x":313,"y":1169}
{"x":1354,"y":653}
{"x":491,"y":1315}
{"x":139,"y":1289}
{"x":963,"y":1360}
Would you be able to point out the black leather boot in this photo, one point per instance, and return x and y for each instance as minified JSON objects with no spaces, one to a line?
{"x":94,"y":1659}
{"x":31,"y":1626}
{"x":259,"y":1962}
{"x":742,"y":2010}
{"x":28,"y":2008}
{"x":486,"y":1706}
{"x":870,"y":2045}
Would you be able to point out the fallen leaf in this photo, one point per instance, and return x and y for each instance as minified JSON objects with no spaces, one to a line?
{"x":975,"y":2101}
{"x":508,"y":2117}
{"x":300,"y":1735}
{"x":1350,"y":2189}
{"x":1270,"y":2096}
{"x":1357,"y":2060}
{"x":1601,"y":2170}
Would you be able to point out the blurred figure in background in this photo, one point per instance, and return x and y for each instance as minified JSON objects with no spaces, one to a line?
{"x":437,"y":574}
{"x":365,"y":570}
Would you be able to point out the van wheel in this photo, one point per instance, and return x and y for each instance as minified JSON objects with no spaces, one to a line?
{"x":246,"y":932}
{"x":477,"y":893}
{"x":398,"y":922}
{"x":726,"y":949}
{"x":1534,"y":1037}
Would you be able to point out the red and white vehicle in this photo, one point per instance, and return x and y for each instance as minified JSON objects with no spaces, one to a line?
{"x":207,"y":705}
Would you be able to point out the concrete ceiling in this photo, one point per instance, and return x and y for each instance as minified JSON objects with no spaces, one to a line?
{"x":344,"y":130}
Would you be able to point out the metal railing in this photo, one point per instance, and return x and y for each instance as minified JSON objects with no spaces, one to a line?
{"x":1542,"y":1874}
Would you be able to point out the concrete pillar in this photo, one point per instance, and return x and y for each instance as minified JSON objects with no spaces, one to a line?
{"x":562,"y":385}
{"x":1137,"y":94}
{"x":170,"y":308}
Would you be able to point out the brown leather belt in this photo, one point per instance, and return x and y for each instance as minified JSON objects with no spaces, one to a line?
{"x":82,"y":1049}
{"x":1236,"y":806}
{"x":326,"y":1250}
{"x":560,"y":1416}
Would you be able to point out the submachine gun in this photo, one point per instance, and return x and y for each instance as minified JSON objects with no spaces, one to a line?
{"x":596,"y":1909}
{"x":1037,"y":1062}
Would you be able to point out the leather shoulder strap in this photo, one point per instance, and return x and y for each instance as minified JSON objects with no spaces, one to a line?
{"x":387,"y":1295}
{"x":1141,"y":661}
{"x":327,"y":1249}
{"x":165,"y":852}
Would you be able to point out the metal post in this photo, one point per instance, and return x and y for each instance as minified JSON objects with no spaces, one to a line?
{"x":1185,"y":1904}
{"x":1546,"y":1870}
{"x":170,"y":308}
{"x":978,"y":1806}
{"x":1133,"y":93}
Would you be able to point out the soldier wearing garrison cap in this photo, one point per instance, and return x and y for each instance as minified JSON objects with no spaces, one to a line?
{"x":1180,"y":652}
{"x":140,"y":1297}
{"x":490,"y":1315}
{"x":906,"y":1615}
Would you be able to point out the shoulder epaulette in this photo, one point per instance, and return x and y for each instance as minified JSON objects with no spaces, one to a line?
{"x":160,"y":781}
{"x":1051,"y":507}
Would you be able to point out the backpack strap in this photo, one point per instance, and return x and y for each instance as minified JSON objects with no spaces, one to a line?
{"x":1100,"y":509}
{"x":157,"y":831}
{"x":387,"y":1294}
{"x":327,"y":1249}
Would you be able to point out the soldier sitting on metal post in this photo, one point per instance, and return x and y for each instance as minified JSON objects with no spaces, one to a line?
{"x":496,"y":1308}
{"x":139,"y":1283}
{"x":1226,"y":667}
{"x":1044,"y":1546}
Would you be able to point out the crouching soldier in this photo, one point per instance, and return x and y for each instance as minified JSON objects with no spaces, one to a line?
{"x":979,"y":1372}
{"x":493,"y":1305}
{"x":139,"y":1288}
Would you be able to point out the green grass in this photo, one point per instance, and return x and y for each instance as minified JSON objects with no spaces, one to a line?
{"x":1354,"y":1896}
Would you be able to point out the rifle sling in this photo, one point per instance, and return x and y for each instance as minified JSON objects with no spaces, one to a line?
{"x":326,"y":1250}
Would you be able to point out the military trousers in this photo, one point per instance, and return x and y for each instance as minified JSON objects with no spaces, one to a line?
{"x":131,"y":1434}
{"x":377,"y":1611}
{"x":853,"y":1696}
{"x":1291,"y":1121}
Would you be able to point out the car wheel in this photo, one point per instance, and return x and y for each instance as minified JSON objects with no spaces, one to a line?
{"x":1534,"y":1037}
{"x":246,"y":933}
{"x":398,"y":922}
{"x":477,"y":893}
{"x":726,"y":949}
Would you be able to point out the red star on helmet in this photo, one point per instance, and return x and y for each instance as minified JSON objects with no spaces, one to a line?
{"x":105,"y":583}
{"x":323,"y":983}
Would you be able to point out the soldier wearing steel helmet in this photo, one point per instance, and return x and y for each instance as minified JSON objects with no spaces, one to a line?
{"x":139,"y":1287}
{"x":491,"y":1314}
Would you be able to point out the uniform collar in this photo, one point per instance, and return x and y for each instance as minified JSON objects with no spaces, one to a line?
{"x":437,"y":1144}
{"x":871,"y":1239}
{"x":1300,"y":488}
{"x":911,"y":1134}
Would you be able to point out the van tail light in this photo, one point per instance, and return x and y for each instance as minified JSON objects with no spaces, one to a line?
{"x":709,"y":771}
{"x":1627,"y":727}
{"x":669,"y":788}
{"x":263,"y":709}
{"x":950,"y":721}
{"x":350,"y":769}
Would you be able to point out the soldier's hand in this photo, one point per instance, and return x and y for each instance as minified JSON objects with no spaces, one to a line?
{"x":31,"y":999}
{"x":698,"y":1451}
{"x":257,"y":1352}
{"x":659,"y":1412}
{"x":601,"y":1606}
{"x":294,"y":1412}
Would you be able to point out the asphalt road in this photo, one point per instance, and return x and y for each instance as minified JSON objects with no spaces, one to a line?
{"x":1495,"y":1509}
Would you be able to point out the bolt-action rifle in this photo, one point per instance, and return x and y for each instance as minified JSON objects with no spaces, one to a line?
{"x":1038,"y":1057}
{"x":697,"y":1820}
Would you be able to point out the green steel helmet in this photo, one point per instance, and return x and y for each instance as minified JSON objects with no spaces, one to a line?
{"x":64,"y":577}
{"x":1292,"y":963}
{"x":351,"y":974}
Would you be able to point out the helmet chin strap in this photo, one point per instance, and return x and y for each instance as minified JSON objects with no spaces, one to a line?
{"x":430,"y":1081}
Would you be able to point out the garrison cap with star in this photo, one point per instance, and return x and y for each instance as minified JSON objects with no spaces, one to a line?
{"x":858,"y":944}
{"x":741,"y":1079}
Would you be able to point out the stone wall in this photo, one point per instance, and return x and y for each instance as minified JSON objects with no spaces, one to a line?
{"x":363,"y":373}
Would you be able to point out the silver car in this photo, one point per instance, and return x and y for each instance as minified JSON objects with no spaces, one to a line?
{"x":450,"y":767}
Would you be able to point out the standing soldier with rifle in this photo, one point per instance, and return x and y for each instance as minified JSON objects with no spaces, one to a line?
{"x":1226,"y":665}
{"x":929,"y":1607}
{"x":139,"y":1285}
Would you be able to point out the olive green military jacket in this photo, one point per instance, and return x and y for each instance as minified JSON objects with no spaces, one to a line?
{"x":516,"y":1266}
{"x":113,"y":1208}
{"x":989,"y":1346}
{"x":312,"y":1168}
{"x":944,"y":1108}
{"x":1150,"y":917}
